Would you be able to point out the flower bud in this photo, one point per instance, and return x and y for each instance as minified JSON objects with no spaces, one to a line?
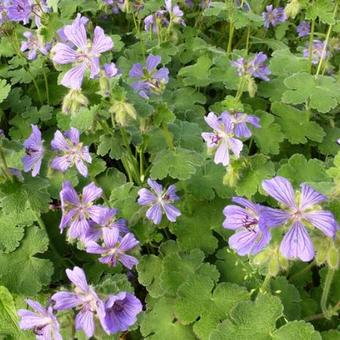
{"x":123,"y":112}
{"x":333,"y":257}
{"x":74,"y":101}
{"x":251,"y":87}
{"x":292,"y":8}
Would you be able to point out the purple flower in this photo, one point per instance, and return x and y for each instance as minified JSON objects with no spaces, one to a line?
{"x":85,"y":299}
{"x":34,"y":45}
{"x":84,"y":55}
{"x":38,"y":9}
{"x":110,"y":70}
{"x":19,"y":10}
{"x":252,"y":234}
{"x":300,"y":209}
{"x":153,"y":20}
{"x":175,"y":13}
{"x":273,"y":17}
{"x":42,"y":321}
{"x":160,"y":201}
{"x":121,"y":311}
{"x":240,"y":121}
{"x":108,"y":220}
{"x":318,"y":51}
{"x":78,"y":211}
{"x":303,"y":29}
{"x":115,"y":5}
{"x":256,"y":67}
{"x":149,"y":78}
{"x":34,"y":152}
{"x":114,"y":248}
{"x":73,"y":152}
{"x":222,"y":139}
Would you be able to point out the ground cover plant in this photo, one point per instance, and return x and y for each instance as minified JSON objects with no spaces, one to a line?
{"x":169,"y":170}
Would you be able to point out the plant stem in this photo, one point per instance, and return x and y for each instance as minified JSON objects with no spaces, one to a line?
{"x":325,"y":292}
{"x":319,"y":316}
{"x":240,"y":89}
{"x":46,"y":86}
{"x":326,"y":42}
{"x":310,"y":47}
{"x":231,"y":35}
{"x":265,"y":284}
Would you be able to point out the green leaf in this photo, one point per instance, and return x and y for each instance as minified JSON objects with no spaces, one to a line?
{"x":179,"y":163}
{"x":299,"y":170}
{"x":297,"y":330}
{"x":322,"y":9}
{"x":196,"y":301}
{"x":322,"y":93}
{"x":159,"y":322}
{"x":8,"y":314}
{"x":292,"y":63}
{"x":258,"y":168}
{"x":31,"y":273}
{"x":197,"y":74}
{"x":149,"y":269}
{"x":12,"y":229}
{"x":289,"y":295}
{"x":206,"y":183}
{"x":111,"y":145}
{"x":187,"y":135}
{"x":181,"y":267}
{"x":194,"y":228}
{"x":269,"y":136}
{"x":332,"y":334}
{"x":84,"y":118}
{"x":329,"y":146}
{"x":296,"y":124}
{"x":250,"y":320}
{"x":4,"y":90}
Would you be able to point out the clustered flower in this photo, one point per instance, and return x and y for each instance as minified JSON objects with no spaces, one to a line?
{"x":149,"y":78}
{"x":83,"y":54}
{"x":303,"y":29}
{"x":298,"y":212}
{"x":24,"y":10}
{"x":319,"y":51}
{"x":255,"y":67}
{"x":226,"y":128}
{"x":115,"y":6}
{"x":72,"y":151}
{"x":163,"y":17}
{"x":273,"y":16}
{"x":115,"y":314}
{"x":34,"y":45}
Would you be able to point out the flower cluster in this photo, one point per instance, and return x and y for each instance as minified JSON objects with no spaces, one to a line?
{"x":226,"y":128}
{"x":149,"y":78}
{"x":34,"y":45}
{"x":72,"y":152}
{"x":23,"y":10}
{"x":77,"y":50}
{"x":255,"y":67}
{"x":319,"y":51}
{"x":298,"y":212}
{"x":159,"y":202}
{"x":115,"y":314}
{"x":273,"y":16}
{"x":163,"y":17}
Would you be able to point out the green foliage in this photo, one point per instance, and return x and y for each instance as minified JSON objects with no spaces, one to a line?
{"x":31,"y":273}
{"x":179,"y":163}
{"x":296,"y":124}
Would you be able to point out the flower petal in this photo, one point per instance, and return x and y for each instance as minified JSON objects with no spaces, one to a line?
{"x":73,"y":78}
{"x":171,"y":212}
{"x":91,"y":192}
{"x":101,"y":42}
{"x":297,"y":244}
{"x":63,"y":54}
{"x":310,"y":197}
{"x":323,"y":220}
{"x":222,"y":154}
{"x":85,"y":321}
{"x":280,"y":189}
{"x":154,"y":213}
{"x":78,"y":278}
